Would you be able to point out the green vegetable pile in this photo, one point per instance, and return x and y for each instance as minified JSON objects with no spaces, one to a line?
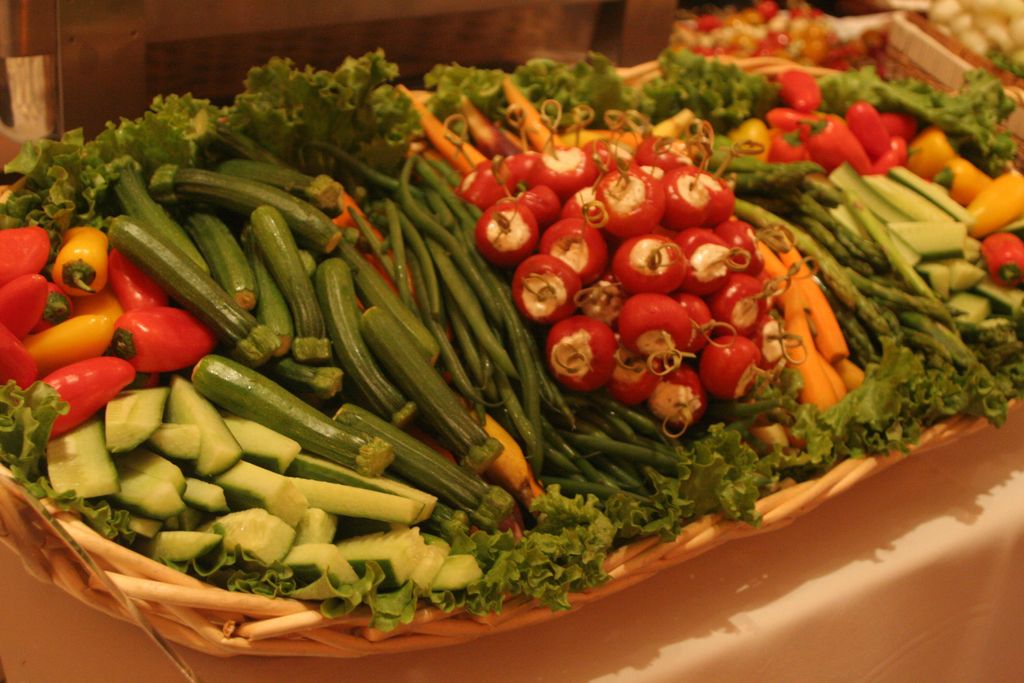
{"x":354,"y":125}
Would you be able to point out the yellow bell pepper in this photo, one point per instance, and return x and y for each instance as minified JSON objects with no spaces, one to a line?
{"x":753,"y":131}
{"x":998,"y":204}
{"x":75,"y":339}
{"x":627,"y":138}
{"x":103,"y":302}
{"x":510,"y":469}
{"x":965,"y":180}
{"x":80,"y":268}
{"x":929,"y":153}
{"x":674,"y":126}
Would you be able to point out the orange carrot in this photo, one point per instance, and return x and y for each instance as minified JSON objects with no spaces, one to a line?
{"x":463,"y":157}
{"x":533,"y":126}
{"x":834,"y":378}
{"x":488,"y":137}
{"x":829,"y":337}
{"x":344,"y":219}
{"x":852,"y":375}
{"x":772,"y":265}
{"x":817,"y":388}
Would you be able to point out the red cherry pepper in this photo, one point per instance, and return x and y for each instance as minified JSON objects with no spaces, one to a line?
{"x":831,"y":142}
{"x":542,"y":201}
{"x":23,"y":251}
{"x":799,"y":90}
{"x":786,"y":148}
{"x":161,"y":339}
{"x":15,"y":362}
{"x":899,"y":125}
{"x":866,"y":124}
{"x":634,"y":202}
{"x":132,"y":287}
{"x":787,"y":119}
{"x":22,"y":302}
{"x":1004,"y":257}
{"x":895,"y":156}
{"x":58,"y":308}
{"x":86,"y":386}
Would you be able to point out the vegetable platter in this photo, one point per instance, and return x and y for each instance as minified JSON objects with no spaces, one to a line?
{"x":343,"y":368}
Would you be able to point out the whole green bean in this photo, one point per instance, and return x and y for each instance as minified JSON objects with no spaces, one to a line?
{"x":528,"y":431}
{"x":425,"y":262}
{"x":401,"y":274}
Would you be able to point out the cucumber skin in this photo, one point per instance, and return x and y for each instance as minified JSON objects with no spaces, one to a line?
{"x":248,"y":394}
{"x":250,"y":342}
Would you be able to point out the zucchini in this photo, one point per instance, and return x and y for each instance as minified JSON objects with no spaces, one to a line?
{"x":246,"y":393}
{"x":335,"y":291}
{"x":316,"y":381}
{"x":374,"y":290}
{"x":241,"y":195}
{"x":135,"y":200}
{"x":243,"y":145}
{"x":280,"y":253}
{"x":322,"y":191}
{"x":248,"y":341}
{"x":228,"y":264}
{"x":436,"y":401}
{"x":426,"y":469}
{"x":271,"y":307}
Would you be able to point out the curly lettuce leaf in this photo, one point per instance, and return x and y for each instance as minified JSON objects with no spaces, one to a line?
{"x":718,"y":92}
{"x":353,"y":107}
{"x":450,"y":82}
{"x":594,"y":82}
{"x":970,"y":117}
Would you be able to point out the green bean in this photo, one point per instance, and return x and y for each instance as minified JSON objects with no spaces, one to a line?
{"x":471,"y":309}
{"x":376,"y":246}
{"x":524,"y":426}
{"x":620,"y":449}
{"x":425,"y":261}
{"x":464,"y":339}
{"x":444,"y":169}
{"x":639,"y":421}
{"x":401,"y":276}
{"x":440,"y":208}
{"x":626,"y":479}
{"x":554,"y":440}
{"x":459,"y":254}
{"x":357,"y":166}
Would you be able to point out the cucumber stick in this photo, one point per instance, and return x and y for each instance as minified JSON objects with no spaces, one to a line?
{"x":137,"y":203}
{"x":335,"y":290}
{"x":262,"y":445}
{"x":224,"y":255}
{"x":257,"y":533}
{"x":218,"y":449}
{"x":177,"y":441}
{"x":148,"y":462}
{"x":435,"y":400}
{"x":242,"y":195}
{"x":350,"y":501}
{"x":247,"y":486}
{"x":316,"y":526}
{"x":248,"y":341}
{"x":246,"y":393}
{"x":79,"y":461}
{"x":281,"y":254}
{"x":182,"y":546}
{"x":133,"y":416}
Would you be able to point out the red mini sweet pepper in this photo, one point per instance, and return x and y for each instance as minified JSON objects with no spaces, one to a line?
{"x":830,"y":143}
{"x":23,"y":251}
{"x":788,"y":119}
{"x":161,"y":339}
{"x":58,"y":308}
{"x":1004,"y":257}
{"x":22,"y":302}
{"x":132,"y":287}
{"x":866,"y":123}
{"x":799,"y":90}
{"x":86,"y":386}
{"x":15,"y":361}
{"x":786,"y":148}
{"x":899,"y":125}
{"x":895,"y":156}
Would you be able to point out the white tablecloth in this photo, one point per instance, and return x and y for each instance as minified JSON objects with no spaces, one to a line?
{"x":913,"y":575}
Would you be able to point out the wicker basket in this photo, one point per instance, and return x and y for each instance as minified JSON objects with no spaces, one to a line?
{"x":58,"y":547}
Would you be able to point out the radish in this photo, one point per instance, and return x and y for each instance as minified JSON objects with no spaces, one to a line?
{"x":740,"y":234}
{"x":679,"y":400}
{"x":687,"y":195}
{"x":573,"y":207}
{"x":506,"y":233}
{"x":544,"y":288}
{"x":710,"y":260}
{"x":543,"y":202}
{"x":609,"y":155}
{"x":581,"y":353}
{"x":649,"y":263}
{"x":581,"y":246}
{"x":740,"y":303}
{"x":634,"y":202}
{"x":566,"y":171}
{"x":603,"y":300}
{"x":663,"y":153}
{"x":721,"y":202}
{"x":482,"y":187}
{"x":632,"y":381}
{"x":656,"y":326}
{"x":728,"y":369}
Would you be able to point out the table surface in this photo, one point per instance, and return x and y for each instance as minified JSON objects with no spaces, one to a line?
{"x":911,"y":575}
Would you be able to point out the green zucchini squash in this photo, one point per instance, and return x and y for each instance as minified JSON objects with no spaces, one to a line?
{"x":322,"y":191}
{"x":172,"y":183}
{"x":436,"y":402}
{"x":249,"y":342}
{"x":280,"y":253}
{"x":246,"y":393}
{"x":319,"y":381}
{"x":223,"y":254}
{"x":271,"y":307}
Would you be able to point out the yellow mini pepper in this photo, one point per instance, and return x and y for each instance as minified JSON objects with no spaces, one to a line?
{"x":929,"y":153}
{"x":75,"y":339}
{"x":998,"y":204}
{"x":103,"y":302}
{"x":80,"y":268}
{"x":753,"y":131}
{"x":966,"y":180}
